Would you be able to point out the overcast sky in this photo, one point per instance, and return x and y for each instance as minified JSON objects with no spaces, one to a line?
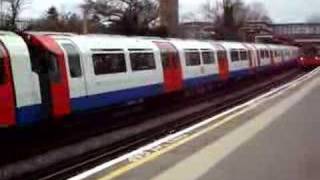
{"x":281,"y":11}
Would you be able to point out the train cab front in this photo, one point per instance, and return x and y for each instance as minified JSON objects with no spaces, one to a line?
{"x":7,"y":94}
{"x":310,"y":58}
{"x":309,"y":62}
{"x":48,"y":62}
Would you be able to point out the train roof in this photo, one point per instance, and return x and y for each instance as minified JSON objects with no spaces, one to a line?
{"x":50,"y":33}
{"x":107,"y":42}
{"x":191,"y":44}
{"x":232,"y":45}
{"x":7,"y":33}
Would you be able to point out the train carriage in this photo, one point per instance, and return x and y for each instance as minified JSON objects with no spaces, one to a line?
{"x":198,"y":62}
{"x":238,"y":59}
{"x":19,"y":87}
{"x":264,"y":56}
{"x":125,"y":70}
{"x":253,"y":57}
{"x":222,"y":61}
{"x":171,"y":66}
{"x":48,"y":75}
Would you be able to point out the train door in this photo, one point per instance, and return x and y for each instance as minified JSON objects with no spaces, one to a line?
{"x":258,"y":57}
{"x":273,"y":62}
{"x":7,"y":97}
{"x":75,"y":70}
{"x":223,"y":64}
{"x":252,"y":62}
{"x":252,"y":59}
{"x":171,"y":64}
{"x":49,"y":63}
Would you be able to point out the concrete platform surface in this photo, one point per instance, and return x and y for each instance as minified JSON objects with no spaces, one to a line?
{"x":278,"y":140}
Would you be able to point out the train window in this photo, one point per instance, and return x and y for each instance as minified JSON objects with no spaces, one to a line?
{"x":258,"y":54}
{"x":142,"y":61}
{"x":250,"y":54}
{"x":109,"y":63}
{"x":272,"y":54}
{"x":235,"y":56}
{"x":262,"y":55}
{"x":288,"y":53}
{"x":266,"y":53}
{"x":244,"y":55}
{"x":208,"y":57}
{"x":74,"y":60}
{"x":192,"y":58}
{"x":108,"y":50}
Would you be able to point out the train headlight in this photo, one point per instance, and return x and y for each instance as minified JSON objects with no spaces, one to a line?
{"x":301,"y":59}
{"x":317,"y":58}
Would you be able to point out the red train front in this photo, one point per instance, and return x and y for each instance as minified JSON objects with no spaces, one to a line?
{"x":310,"y":58}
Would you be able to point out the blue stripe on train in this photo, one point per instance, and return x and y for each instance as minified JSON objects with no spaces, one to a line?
{"x":111,"y":98}
{"x":194,"y":82}
{"x":28,"y":115}
{"x":240,"y":73}
{"x":102,"y":100}
{"x":31,"y":114}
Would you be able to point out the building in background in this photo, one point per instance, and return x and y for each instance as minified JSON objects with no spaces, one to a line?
{"x":169,"y":15}
{"x":291,"y":33}
{"x":252,"y":29}
{"x":197,"y":30}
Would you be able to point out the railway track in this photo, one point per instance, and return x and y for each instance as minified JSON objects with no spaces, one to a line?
{"x":108,"y":143}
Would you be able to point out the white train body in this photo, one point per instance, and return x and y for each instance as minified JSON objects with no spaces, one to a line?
{"x":54,"y":75}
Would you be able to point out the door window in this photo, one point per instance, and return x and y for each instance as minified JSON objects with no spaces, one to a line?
{"x":222,"y":55}
{"x":170,"y":59}
{"x":52,"y":66}
{"x":73,"y":60}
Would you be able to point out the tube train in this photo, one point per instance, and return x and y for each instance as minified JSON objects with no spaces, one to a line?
{"x":310,"y":58}
{"x":47,"y":75}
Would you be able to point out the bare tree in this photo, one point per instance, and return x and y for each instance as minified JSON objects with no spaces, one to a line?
{"x":130,"y":17}
{"x":211,"y":11}
{"x":55,"y":20}
{"x":230,"y":15}
{"x":257,"y":12}
{"x":15,"y":9}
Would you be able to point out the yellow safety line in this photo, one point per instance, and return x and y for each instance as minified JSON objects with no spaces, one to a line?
{"x":155,"y":155}
{"x":124,"y":169}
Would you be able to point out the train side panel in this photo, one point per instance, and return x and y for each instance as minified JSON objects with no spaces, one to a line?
{"x":124,"y":70}
{"x":238,"y":58}
{"x":198,"y":61}
{"x":171,"y":66}
{"x":26,"y":82}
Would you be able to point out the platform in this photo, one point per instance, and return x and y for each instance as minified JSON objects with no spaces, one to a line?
{"x":274,"y":137}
